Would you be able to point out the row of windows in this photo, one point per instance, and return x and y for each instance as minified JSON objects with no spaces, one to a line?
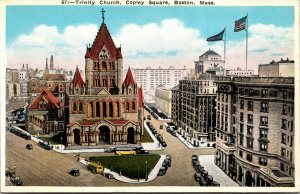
{"x":261,"y":160}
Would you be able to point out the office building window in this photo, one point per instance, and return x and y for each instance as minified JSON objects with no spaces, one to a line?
{"x":250,"y":105}
{"x":264,"y":107}
{"x":264,"y":121}
{"x":263,"y":133}
{"x":250,"y":118}
{"x":263,"y":161}
{"x":283,"y":138}
{"x":242,"y":104}
{"x":263,"y":146}
{"x":283,"y":152}
{"x":249,"y":157}
{"x":284,"y":124}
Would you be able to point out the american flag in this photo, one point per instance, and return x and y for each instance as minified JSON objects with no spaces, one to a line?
{"x":240,"y":24}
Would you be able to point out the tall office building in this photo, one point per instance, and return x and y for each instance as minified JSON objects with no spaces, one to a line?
{"x":149,"y":78}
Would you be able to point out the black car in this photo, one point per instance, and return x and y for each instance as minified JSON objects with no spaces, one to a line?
{"x":29,"y":146}
{"x":215,"y":184}
{"x":74,"y":172}
{"x":162,"y":171}
{"x":199,"y":168}
{"x":109,"y":176}
{"x":164,"y":144}
{"x":167,"y":162}
{"x":16,"y":181}
{"x":197,"y":176}
{"x":161,"y":126}
{"x":142,"y":151}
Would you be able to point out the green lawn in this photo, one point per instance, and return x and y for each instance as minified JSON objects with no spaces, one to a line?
{"x":131,"y":166}
{"x":146,"y":138}
{"x":55,"y":139}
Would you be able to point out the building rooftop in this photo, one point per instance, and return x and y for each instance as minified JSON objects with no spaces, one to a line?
{"x":250,"y":80}
{"x":209,"y":52}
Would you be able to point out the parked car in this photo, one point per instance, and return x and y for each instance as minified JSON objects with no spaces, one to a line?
{"x":110,"y":149}
{"x":161,"y":126}
{"x":109,"y":175}
{"x":149,"y":117}
{"x":74,"y":172}
{"x":167,"y":162}
{"x":199,"y":168}
{"x":16,"y":181}
{"x":173,"y":133}
{"x":142,"y":151}
{"x":162,"y":171}
{"x":169,"y":157}
{"x":215,"y":184}
{"x":29,"y":147}
{"x":164,"y":144}
{"x":197,"y":176}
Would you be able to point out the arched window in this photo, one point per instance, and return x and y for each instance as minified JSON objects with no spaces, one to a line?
{"x":133,"y":106}
{"x":74,"y":106}
{"x":104,"y":67}
{"x":80,"y":106}
{"x":127,"y":106}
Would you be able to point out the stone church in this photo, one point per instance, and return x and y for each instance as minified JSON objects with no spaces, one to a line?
{"x":104,"y":108}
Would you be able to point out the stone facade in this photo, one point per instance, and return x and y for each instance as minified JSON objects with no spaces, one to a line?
{"x":193,"y":110}
{"x":255,"y":130}
{"x":163,"y":100}
{"x":104,"y":109}
{"x":209,"y":62}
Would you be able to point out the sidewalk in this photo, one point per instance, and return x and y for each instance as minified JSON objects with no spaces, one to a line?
{"x":188,"y":144}
{"x":152,"y":175}
{"x":207,"y":161}
{"x":151,"y":146}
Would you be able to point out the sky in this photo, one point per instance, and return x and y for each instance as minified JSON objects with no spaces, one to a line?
{"x":149,"y":36}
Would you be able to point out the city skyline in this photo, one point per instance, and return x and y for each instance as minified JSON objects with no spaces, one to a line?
{"x":270,"y":36}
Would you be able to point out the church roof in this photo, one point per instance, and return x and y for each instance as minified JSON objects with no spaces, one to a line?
{"x":140,"y":97}
{"x":49,"y":97}
{"x":129,"y":78}
{"x":103,"y":38}
{"x":77,"y":79}
{"x":209,"y":52}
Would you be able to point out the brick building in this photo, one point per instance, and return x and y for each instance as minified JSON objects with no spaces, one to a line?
{"x":104,"y":109}
{"x":45,"y":114}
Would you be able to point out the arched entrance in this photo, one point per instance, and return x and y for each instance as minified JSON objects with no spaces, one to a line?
{"x":130,"y":135}
{"x":249,"y":179}
{"x":104,"y":134}
{"x":76,"y":133}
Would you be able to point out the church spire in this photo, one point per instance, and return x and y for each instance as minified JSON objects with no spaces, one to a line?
{"x":103,"y":15}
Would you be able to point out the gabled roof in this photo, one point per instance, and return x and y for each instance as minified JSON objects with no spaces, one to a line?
{"x":129,"y":78}
{"x":49,"y":97}
{"x":140,"y":97}
{"x":77,"y":79}
{"x":209,"y":52}
{"x":103,"y":38}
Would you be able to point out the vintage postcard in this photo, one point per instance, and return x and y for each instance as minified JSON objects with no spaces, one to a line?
{"x":149,"y":96}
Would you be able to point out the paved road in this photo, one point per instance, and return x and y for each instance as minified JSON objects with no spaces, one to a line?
{"x":48,"y":168}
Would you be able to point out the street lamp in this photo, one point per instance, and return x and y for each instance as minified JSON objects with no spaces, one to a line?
{"x":61,"y":144}
{"x":139,"y":174}
{"x":146,"y":171}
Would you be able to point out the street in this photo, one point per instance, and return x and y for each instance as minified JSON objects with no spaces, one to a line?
{"x":49,"y":168}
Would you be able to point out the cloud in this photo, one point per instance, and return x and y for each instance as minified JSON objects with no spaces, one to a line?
{"x":68,"y":46}
{"x":169,"y":42}
{"x":265,"y":43}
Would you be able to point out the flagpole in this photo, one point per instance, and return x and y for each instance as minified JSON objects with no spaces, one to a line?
{"x":246,"y":41}
{"x":225,"y":52}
